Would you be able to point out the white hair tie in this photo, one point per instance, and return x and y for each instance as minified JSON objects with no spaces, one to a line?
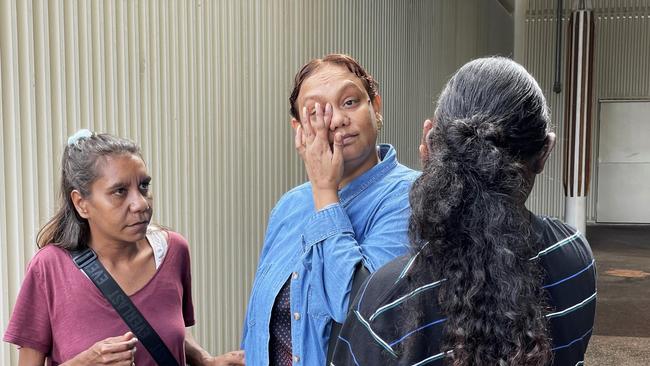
{"x":81,"y":134}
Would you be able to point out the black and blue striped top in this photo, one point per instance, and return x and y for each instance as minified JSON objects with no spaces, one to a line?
{"x":373,"y":330}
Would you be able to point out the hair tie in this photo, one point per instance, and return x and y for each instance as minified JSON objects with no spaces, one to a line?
{"x":81,"y":134}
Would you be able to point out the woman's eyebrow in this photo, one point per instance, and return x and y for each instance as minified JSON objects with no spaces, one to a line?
{"x":314,"y":98}
{"x":348,"y":84}
{"x":122,"y":183}
{"x":116,"y":185}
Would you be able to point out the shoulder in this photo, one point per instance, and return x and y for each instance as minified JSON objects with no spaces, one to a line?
{"x":557,"y":236}
{"x":399,"y":172}
{"x":48,"y":256}
{"x":175,"y":238}
{"x":568,"y":263}
{"x":297,"y":200}
{"x":391,"y":193}
{"x":392,"y":271}
{"x":300,"y":192}
{"x":554,"y":227}
{"x":382,"y":285}
{"x":400,"y":178}
{"x":177,"y":244}
{"x":404,"y":173}
{"x":50,"y":263}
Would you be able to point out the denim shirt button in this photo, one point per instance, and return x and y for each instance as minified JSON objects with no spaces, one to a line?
{"x":296,"y":316}
{"x":294,"y":276}
{"x":296,"y":358}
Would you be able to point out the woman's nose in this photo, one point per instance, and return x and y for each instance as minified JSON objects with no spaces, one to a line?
{"x":139,"y":202}
{"x":339,"y":119}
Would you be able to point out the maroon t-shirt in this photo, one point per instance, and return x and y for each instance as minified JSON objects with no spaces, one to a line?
{"x":61,"y":313}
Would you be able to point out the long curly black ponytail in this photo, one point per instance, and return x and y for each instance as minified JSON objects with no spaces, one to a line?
{"x":468,"y":205}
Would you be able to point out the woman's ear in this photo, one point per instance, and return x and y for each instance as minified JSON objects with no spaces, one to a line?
{"x":540,"y":161}
{"x":376,"y":103}
{"x":80,"y":203}
{"x":427,"y":126}
{"x":295,"y":123}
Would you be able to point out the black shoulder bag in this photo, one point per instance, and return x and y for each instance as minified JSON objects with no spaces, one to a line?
{"x":87,"y":261}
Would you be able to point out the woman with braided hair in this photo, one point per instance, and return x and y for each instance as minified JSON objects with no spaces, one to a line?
{"x":487,"y":282}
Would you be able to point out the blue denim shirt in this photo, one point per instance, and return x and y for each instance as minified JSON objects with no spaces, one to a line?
{"x":319,"y":251}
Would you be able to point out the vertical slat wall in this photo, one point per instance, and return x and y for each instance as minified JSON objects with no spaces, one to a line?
{"x":203,"y":87}
{"x":621,"y":71}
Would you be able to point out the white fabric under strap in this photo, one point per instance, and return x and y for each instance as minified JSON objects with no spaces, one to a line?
{"x":158,"y":242}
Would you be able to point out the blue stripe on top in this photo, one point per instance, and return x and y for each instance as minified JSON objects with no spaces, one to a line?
{"x":590,"y":265}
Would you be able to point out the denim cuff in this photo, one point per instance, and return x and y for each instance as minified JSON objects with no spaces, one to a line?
{"x":325,"y":223}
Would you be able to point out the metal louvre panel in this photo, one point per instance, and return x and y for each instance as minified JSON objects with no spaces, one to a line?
{"x":621,"y":48}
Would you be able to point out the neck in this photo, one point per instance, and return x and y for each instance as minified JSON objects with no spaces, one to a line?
{"x":352,"y":171}
{"x":113,"y":251}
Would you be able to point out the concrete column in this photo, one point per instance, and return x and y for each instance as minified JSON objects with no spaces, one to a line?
{"x":577,"y":114}
{"x":521,"y":6}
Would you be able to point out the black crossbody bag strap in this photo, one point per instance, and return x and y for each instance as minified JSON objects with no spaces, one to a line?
{"x":87,"y":261}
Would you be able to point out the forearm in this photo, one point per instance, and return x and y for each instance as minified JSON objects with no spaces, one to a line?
{"x":324,"y":197}
{"x":81,"y":359}
{"x":332,"y":251}
{"x":73,"y":362}
{"x":31,"y":357}
{"x":194,"y":353}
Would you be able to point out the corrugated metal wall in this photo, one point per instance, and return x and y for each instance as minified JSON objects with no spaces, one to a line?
{"x":203,"y":87}
{"x":621,"y":71}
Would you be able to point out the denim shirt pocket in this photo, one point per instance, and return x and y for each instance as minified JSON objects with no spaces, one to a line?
{"x":316,"y":306}
{"x":258,"y":283}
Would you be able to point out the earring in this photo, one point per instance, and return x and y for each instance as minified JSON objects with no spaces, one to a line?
{"x":380,"y":121}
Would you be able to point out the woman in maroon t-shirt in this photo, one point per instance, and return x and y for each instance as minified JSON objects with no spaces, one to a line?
{"x":106,"y":205}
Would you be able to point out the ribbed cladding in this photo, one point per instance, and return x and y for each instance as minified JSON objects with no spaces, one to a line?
{"x":203,"y":87}
{"x":11,"y":231}
{"x":7,"y":279}
{"x":621,"y":71}
{"x":539,"y":58}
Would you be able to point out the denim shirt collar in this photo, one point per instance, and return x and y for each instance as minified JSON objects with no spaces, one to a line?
{"x":387,"y":161}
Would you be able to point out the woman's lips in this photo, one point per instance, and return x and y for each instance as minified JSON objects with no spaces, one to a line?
{"x":348,"y":139}
{"x":139,"y":225}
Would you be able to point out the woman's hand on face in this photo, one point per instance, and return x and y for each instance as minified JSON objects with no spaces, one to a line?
{"x":324,"y":164}
{"x":114,"y":351}
{"x":234,"y":358}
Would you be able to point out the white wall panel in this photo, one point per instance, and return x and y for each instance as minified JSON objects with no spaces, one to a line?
{"x":623,"y":192}
{"x":203,"y":87}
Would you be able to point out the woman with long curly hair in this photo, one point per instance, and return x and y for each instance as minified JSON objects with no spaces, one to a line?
{"x":488,"y":282}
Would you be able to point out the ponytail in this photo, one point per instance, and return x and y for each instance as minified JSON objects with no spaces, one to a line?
{"x":468,"y":208}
